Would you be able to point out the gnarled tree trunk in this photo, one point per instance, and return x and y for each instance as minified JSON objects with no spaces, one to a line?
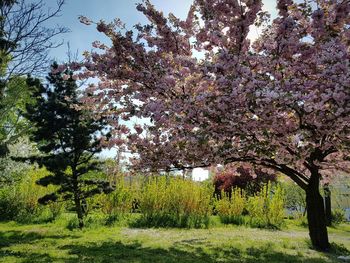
{"x":316,"y":213}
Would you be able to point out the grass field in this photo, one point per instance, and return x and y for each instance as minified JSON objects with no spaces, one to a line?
{"x":55,"y":243}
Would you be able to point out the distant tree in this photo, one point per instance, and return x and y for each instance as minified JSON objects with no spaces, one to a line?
{"x":12,"y":105}
{"x":25,"y":41}
{"x":295,"y":197}
{"x":12,"y":171}
{"x":241,"y":176}
{"x":68,"y":137}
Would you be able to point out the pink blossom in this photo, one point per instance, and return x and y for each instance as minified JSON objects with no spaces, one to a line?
{"x":281,"y":102}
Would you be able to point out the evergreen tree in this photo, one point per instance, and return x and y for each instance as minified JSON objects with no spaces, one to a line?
{"x":68,"y":137}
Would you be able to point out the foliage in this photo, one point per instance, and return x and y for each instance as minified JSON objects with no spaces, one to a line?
{"x":174,"y":202}
{"x":340,"y":188}
{"x":20,"y":201}
{"x":301,"y":220}
{"x":248,"y":178}
{"x":9,"y":205}
{"x":295,"y":197}
{"x":11,"y":170}
{"x":119,"y":202}
{"x":68,"y":139}
{"x":338,"y":216}
{"x":24,"y":46}
{"x":12,"y":105}
{"x":230,"y":208}
{"x":266,"y":208}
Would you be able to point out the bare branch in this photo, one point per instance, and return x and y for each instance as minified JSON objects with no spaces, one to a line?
{"x":24,"y":26}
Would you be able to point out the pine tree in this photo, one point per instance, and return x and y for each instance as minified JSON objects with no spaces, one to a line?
{"x":68,"y":137}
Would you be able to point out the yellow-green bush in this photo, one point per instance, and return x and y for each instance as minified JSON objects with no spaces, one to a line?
{"x":20,"y":201}
{"x":174,"y":202}
{"x":162,"y":201}
{"x":120,"y":201}
{"x":266,"y":208}
{"x":230,"y":209}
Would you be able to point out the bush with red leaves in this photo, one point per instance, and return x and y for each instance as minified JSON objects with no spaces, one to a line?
{"x":250,"y":179}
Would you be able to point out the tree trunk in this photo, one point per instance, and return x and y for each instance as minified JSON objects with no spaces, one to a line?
{"x":316,"y":214}
{"x":79,"y":210}
{"x":77,"y":199}
{"x":328,"y":206}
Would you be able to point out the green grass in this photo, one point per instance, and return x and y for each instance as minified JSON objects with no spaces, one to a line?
{"x":53,"y":242}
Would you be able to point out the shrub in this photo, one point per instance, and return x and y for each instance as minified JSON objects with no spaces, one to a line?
{"x":10,"y":205}
{"x":118,"y":203}
{"x":230,"y":210}
{"x":174,"y":202}
{"x":72,"y":223}
{"x":276,"y":207}
{"x":338,"y":216}
{"x":300,"y":219}
{"x":249,"y":178}
{"x":20,"y":201}
{"x":266,"y":208}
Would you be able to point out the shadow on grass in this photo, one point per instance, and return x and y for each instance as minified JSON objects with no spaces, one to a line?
{"x":339,"y":249}
{"x":135,"y":252}
{"x":13,"y":237}
{"x":26,"y":257}
{"x":9,"y":238}
{"x":191,"y":250}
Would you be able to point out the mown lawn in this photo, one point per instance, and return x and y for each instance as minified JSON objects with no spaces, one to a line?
{"x":55,"y":243}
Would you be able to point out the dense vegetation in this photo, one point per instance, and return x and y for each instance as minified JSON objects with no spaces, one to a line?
{"x":154,"y":201}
